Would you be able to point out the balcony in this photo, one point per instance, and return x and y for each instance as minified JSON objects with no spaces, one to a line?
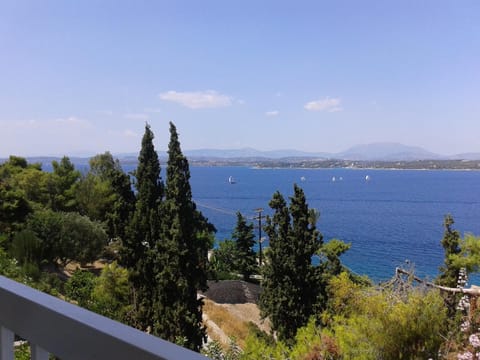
{"x":53,"y":326}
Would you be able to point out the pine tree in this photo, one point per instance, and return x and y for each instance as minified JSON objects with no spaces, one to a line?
{"x":289,"y":285}
{"x":449,"y":272}
{"x":181,"y":264}
{"x":451,"y":245}
{"x":62,"y":183}
{"x":246,"y":258}
{"x":143,"y":233}
{"x":122,"y":202}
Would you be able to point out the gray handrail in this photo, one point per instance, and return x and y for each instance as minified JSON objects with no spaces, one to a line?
{"x":71,"y":332}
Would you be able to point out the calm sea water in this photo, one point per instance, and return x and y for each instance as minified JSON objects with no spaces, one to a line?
{"x":394,"y":217}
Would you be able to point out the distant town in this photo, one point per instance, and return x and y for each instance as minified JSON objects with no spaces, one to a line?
{"x":351,"y":164}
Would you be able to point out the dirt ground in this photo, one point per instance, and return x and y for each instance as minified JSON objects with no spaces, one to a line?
{"x":248,"y":312}
{"x":239,"y":299}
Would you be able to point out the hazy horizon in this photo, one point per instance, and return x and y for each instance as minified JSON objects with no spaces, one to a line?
{"x":83,"y":77}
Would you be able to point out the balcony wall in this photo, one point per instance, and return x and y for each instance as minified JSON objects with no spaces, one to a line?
{"x":53,"y":326}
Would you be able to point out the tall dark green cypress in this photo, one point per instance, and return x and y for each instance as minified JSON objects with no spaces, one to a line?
{"x":181,"y":266}
{"x":246,"y":258}
{"x":289,"y":278}
{"x":143,"y":233}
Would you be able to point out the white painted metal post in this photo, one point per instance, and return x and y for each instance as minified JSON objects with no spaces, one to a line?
{"x":38,"y":353}
{"x":6,"y":344}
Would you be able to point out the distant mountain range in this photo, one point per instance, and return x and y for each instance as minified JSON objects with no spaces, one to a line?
{"x":368,"y":152}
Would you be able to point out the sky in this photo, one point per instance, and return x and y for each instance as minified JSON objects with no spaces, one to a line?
{"x":79,"y":78}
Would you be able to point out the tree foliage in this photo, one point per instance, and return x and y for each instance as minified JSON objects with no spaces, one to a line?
{"x":79,"y":288}
{"x":468,"y":256}
{"x":111,"y":292}
{"x":143,"y":232}
{"x":246,"y":258}
{"x":62,"y":185}
{"x":385,"y":324}
{"x":451,"y":246}
{"x":181,"y":256}
{"x":66,"y":237}
{"x":105,"y":194}
{"x":366,"y":323}
{"x":290,"y":286}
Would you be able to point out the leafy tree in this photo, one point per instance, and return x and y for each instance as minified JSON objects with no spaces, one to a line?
{"x":94,"y":197}
{"x":181,"y":264}
{"x":14,"y":207}
{"x":223,"y":260}
{"x":81,"y":239}
{"x":143,"y":233}
{"x":15,"y":192}
{"x":111,"y":292}
{"x":79,"y":288}
{"x":468,"y":256}
{"x":67,"y":237}
{"x":26,"y":247}
{"x":17,"y":161}
{"x":289,"y":284}
{"x":246,"y":259}
{"x":62,"y":185}
{"x":34,"y":183}
{"x":119,"y":199}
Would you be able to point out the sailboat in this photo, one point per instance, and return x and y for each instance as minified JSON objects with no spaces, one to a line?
{"x":231,"y":180}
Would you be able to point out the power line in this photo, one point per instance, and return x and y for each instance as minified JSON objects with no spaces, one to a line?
{"x":221,"y":210}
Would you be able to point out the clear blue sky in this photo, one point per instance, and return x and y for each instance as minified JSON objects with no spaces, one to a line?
{"x":83,"y":77}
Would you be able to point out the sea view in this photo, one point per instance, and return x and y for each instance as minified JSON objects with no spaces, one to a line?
{"x":363,"y":113}
{"x":393,"y":219}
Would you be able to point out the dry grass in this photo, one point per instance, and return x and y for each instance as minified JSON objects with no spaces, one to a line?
{"x":230,"y":324}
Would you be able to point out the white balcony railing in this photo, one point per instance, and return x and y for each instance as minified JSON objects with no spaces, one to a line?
{"x":53,"y":326}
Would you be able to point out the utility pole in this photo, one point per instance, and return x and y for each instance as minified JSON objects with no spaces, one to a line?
{"x":259,"y":218}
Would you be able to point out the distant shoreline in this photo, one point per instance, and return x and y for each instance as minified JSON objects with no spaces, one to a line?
{"x":297,"y":163}
{"x":424,"y":165}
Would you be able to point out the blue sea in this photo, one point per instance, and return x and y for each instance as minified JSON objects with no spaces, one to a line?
{"x":394,"y":218}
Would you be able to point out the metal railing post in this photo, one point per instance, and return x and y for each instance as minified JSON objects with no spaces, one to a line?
{"x":38,"y":353}
{"x":6,"y":343}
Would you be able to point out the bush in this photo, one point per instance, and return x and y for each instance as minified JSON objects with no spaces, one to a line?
{"x":79,"y":288}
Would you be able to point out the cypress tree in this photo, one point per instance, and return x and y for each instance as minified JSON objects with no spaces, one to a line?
{"x":449,"y":272}
{"x":143,"y":233}
{"x":289,"y":278}
{"x":181,"y":266}
{"x":451,"y":245}
{"x":246,"y":258}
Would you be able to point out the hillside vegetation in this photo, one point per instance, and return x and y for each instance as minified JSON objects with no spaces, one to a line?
{"x":154,"y":243}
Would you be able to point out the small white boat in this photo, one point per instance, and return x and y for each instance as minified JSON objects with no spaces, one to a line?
{"x":367,"y":178}
{"x":333,"y":179}
{"x":303,"y":178}
{"x":231,"y":180}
